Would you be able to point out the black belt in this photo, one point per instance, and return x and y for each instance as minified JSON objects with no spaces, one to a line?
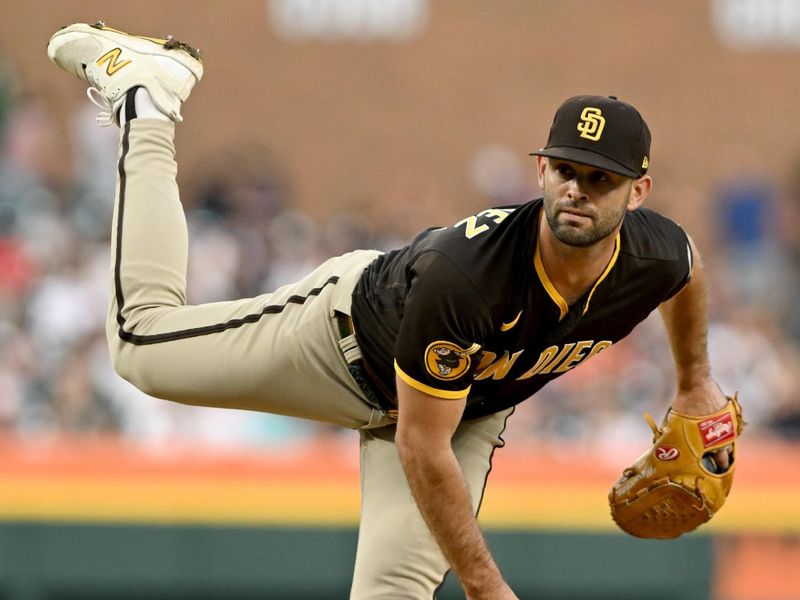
{"x":361,"y":373}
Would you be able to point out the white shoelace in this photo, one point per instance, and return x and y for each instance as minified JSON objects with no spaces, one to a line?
{"x":106,"y":115}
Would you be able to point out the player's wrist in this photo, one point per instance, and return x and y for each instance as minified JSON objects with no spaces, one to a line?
{"x":703,"y":397}
{"x":695,"y":375}
{"x":489,"y":587}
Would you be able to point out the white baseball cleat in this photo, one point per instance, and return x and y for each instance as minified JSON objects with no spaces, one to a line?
{"x":113,"y":62}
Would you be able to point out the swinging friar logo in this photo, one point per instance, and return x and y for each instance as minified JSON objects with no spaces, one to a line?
{"x":446,"y":360}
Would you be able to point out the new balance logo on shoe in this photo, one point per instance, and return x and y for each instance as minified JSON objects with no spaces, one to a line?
{"x":112,"y":58}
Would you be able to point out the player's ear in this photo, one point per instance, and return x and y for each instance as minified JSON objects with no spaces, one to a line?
{"x":541,"y":165}
{"x":639,"y":191}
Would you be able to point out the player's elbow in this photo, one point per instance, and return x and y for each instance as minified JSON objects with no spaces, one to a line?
{"x":409,"y":445}
{"x":405,"y":444}
{"x":415,"y":448}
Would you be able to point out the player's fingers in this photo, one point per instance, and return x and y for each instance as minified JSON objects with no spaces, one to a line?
{"x":720,"y":460}
{"x":723,"y":457}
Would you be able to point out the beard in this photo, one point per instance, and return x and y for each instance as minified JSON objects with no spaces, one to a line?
{"x":602,"y":224}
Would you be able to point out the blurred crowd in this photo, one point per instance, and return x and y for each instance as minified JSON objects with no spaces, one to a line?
{"x":247,"y":236}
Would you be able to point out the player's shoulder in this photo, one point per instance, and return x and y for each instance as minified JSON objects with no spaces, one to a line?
{"x":647,"y":234}
{"x":474,"y":235}
{"x":486,"y":251}
{"x":488,"y":227}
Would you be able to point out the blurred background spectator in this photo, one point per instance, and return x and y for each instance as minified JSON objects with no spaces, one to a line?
{"x":260,"y":216}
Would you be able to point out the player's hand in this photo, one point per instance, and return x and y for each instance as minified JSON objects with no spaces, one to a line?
{"x":704,"y":399}
{"x":501,"y":592}
{"x":507,"y":594}
{"x":722,"y":459}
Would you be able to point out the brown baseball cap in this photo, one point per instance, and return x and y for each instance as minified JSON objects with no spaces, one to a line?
{"x":600,"y":131}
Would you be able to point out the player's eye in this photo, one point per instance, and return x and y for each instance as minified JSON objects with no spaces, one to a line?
{"x":599,"y":177}
{"x":565,"y":170}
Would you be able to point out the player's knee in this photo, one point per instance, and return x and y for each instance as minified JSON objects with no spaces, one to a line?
{"x":124,"y":368}
{"x":131,"y":365}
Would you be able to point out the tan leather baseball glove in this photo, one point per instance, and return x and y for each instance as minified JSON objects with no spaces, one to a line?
{"x":676,"y":485}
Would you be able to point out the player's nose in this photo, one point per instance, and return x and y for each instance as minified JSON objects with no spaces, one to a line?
{"x":575,"y":191}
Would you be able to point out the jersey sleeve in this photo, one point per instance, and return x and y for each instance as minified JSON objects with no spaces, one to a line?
{"x":662,"y":244}
{"x":685,"y":262}
{"x":444,"y":322}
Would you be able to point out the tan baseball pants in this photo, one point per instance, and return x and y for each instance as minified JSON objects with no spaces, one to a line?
{"x":277,"y":353}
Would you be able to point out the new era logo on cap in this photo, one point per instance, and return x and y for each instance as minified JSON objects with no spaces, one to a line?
{"x":600,"y":131}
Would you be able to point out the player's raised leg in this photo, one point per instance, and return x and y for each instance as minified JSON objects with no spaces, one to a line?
{"x":239,"y":354}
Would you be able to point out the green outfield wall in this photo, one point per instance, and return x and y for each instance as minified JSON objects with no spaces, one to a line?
{"x":125,"y":562}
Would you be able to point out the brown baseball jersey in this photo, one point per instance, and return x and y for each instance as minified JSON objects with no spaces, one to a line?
{"x":469,"y":309}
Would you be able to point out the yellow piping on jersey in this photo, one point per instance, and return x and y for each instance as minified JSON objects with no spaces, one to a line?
{"x":553,"y":292}
{"x":611,"y":264}
{"x":445,"y":394}
{"x":548,"y":285}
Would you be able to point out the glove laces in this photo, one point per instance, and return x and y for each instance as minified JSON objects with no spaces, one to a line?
{"x":105,"y":117}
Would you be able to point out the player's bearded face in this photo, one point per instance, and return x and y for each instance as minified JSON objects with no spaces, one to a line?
{"x":583,"y":205}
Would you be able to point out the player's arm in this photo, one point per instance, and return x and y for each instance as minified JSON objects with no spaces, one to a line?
{"x":425,"y":427}
{"x":685,"y":317}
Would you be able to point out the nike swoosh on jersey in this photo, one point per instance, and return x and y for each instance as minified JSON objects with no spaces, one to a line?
{"x":507,"y":326}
